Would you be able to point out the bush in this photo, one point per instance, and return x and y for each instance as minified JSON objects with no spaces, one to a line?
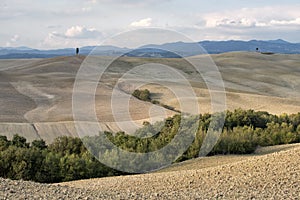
{"x":143,"y":95}
{"x":67,"y":158}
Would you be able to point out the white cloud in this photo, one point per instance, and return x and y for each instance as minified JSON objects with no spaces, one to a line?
{"x":54,"y":41}
{"x":82,"y":32}
{"x":254,"y":17}
{"x":15,"y":38}
{"x":285,"y":22}
{"x":142,"y":23}
{"x":243,"y":22}
{"x":231,"y":21}
{"x":74,"y":36}
{"x":113,"y":16}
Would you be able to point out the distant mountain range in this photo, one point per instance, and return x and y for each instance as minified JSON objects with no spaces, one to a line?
{"x":168,"y":50}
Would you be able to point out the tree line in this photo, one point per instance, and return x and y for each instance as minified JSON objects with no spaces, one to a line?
{"x":65,"y":159}
{"x":69,"y":158}
{"x":242,"y":133}
{"x":145,"y":95}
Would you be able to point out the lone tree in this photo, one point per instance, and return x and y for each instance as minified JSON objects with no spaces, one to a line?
{"x":143,"y":95}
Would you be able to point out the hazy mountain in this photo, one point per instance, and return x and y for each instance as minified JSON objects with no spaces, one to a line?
{"x":169,"y":50}
{"x":180,"y":49}
{"x":24,"y":52}
{"x":274,"y":46}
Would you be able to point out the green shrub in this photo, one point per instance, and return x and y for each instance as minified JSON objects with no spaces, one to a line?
{"x":68,"y":159}
{"x":143,"y":95}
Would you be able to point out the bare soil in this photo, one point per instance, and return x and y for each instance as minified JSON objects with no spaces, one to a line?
{"x":263,"y":175}
{"x":36,"y":94}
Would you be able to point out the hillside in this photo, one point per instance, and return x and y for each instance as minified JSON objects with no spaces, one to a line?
{"x":274,"y":175}
{"x":36,"y":94}
{"x":271,"y":173}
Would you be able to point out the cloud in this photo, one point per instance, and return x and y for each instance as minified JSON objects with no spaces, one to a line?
{"x":78,"y":32}
{"x":232,"y":22}
{"x":142,"y":23}
{"x":285,"y":22}
{"x":73,"y":36}
{"x":262,"y":23}
{"x":82,"y":32}
{"x":13,"y":40}
{"x":254,"y":17}
{"x":243,"y":22}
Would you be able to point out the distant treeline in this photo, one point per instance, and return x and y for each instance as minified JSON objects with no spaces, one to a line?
{"x":68,"y":159}
{"x":145,"y":95}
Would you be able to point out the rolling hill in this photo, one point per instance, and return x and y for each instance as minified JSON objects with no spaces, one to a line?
{"x":36,"y":94}
{"x":269,"y":174}
{"x":168,"y":50}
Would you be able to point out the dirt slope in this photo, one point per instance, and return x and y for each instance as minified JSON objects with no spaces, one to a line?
{"x":274,"y":175}
{"x":262,"y":176}
{"x":38,"y":92}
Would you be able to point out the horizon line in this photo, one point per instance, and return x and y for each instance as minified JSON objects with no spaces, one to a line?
{"x":58,"y":48}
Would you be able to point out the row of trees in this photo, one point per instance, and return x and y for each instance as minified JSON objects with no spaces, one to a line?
{"x":65,"y":159}
{"x":242,"y":133}
{"x":70,"y":158}
{"x":145,"y":95}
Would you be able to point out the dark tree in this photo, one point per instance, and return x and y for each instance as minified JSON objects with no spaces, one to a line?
{"x":19,"y":141}
{"x":143,"y":95}
{"x":4,"y":143}
{"x":39,"y":144}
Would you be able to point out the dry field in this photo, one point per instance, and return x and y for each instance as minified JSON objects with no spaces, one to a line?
{"x":36,"y":94}
{"x":271,"y":173}
{"x":36,"y":102}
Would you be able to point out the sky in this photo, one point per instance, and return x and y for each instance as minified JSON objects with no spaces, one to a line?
{"x":69,"y":23}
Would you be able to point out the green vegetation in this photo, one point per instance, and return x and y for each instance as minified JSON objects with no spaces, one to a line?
{"x":242,"y":133}
{"x":67,"y":158}
{"x":145,"y":95}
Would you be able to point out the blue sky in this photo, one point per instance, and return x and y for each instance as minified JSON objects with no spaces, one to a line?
{"x":65,"y":23}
